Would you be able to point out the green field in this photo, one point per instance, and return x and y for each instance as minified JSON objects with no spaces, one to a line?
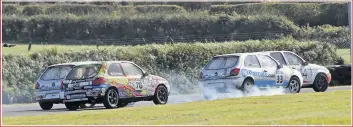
{"x":327,"y":108}
{"x":22,"y":49}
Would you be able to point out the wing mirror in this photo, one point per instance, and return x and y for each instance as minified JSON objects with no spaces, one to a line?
{"x":280,"y":66}
{"x":305,"y":63}
{"x":145,"y":74}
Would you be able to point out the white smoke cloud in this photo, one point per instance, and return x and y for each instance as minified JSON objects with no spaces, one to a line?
{"x":236,"y":93}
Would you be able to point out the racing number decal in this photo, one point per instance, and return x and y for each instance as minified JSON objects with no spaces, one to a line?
{"x":137,"y":85}
{"x":279,"y":79}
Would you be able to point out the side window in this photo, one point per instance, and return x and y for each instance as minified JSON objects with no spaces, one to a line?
{"x":216,"y":63}
{"x":267,"y":61}
{"x":278,"y":56}
{"x":114,"y":69}
{"x":64,"y":71}
{"x":51,"y":74}
{"x":131,"y":70}
{"x":251,"y":62}
{"x":293,"y":59}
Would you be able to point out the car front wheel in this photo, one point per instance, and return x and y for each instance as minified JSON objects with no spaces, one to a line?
{"x":161,"y":95}
{"x":320,"y":83}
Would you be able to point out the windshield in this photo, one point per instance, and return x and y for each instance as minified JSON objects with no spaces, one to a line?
{"x":84,"y":72}
{"x":222,"y":62}
{"x":56,"y":72}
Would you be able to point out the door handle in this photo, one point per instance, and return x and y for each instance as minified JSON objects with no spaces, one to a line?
{"x":265,"y":70}
{"x":294,"y":68}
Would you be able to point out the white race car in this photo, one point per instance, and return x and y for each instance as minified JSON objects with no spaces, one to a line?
{"x":315,"y":76}
{"x":243,"y":71}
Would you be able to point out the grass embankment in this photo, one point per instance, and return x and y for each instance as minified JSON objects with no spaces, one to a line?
{"x":328,"y":108}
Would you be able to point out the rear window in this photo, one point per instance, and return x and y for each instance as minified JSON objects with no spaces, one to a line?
{"x":56,"y":72}
{"x":84,"y":72}
{"x":222,"y":62}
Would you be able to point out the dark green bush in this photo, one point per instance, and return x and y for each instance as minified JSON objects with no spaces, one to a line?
{"x":339,"y":36}
{"x":302,"y":14}
{"x":10,"y":9}
{"x":30,"y":10}
{"x":178,"y":63}
{"x":79,"y":9}
{"x":159,"y":8}
{"x":149,"y":26}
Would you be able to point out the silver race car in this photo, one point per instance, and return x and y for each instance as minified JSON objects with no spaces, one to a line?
{"x":243,"y":71}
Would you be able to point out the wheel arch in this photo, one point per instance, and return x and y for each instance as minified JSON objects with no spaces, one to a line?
{"x":301,"y":80}
{"x":161,"y":84}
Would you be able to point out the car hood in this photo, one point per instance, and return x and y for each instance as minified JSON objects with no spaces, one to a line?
{"x":317,"y":67}
{"x":155,"y":77}
{"x":156,"y":80}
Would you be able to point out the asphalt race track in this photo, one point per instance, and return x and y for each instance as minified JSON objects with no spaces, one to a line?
{"x":34,"y":109}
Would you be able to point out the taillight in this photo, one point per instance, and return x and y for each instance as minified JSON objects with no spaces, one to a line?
{"x":234,"y":72}
{"x":62,"y":85}
{"x":98,"y":81}
{"x":201,"y":75}
{"x":37,"y":85}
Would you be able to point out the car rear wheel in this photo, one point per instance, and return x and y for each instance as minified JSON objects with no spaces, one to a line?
{"x":72,"y":105}
{"x":46,"y":105}
{"x":320,"y":83}
{"x":247,"y":86}
{"x":111,"y":99}
{"x":161,"y":95}
{"x":294,"y":85}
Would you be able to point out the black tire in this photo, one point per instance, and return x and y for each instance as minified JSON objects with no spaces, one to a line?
{"x":320,"y":83}
{"x":46,"y":105}
{"x":161,"y":95}
{"x":72,"y":105}
{"x":111,"y":98}
{"x":88,"y":105}
{"x":247,"y":86}
{"x":294,"y":85}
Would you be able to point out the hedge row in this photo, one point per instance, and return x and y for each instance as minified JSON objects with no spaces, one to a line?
{"x":147,"y":28}
{"x":303,"y":13}
{"x":86,"y":9}
{"x":306,"y":13}
{"x":59,"y":28}
{"x":178,"y":63}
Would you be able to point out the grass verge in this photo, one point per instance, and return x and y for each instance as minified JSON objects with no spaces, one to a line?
{"x":327,"y":108}
{"x":345,"y":54}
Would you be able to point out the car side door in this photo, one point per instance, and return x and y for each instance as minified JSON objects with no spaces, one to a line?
{"x":252,"y":68}
{"x":115,"y":76}
{"x":273,"y":75}
{"x":295,"y":62}
{"x":137,"y":79}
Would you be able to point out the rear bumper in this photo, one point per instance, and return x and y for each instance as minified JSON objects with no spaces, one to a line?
{"x":51,"y":100}
{"x":50,"y":96}
{"x":221,"y":85}
{"x":84,"y":95}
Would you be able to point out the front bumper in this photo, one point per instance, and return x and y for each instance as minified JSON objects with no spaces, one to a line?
{"x":84,"y":95}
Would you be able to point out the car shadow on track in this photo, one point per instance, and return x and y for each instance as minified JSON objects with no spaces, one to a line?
{"x":64,"y":109}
